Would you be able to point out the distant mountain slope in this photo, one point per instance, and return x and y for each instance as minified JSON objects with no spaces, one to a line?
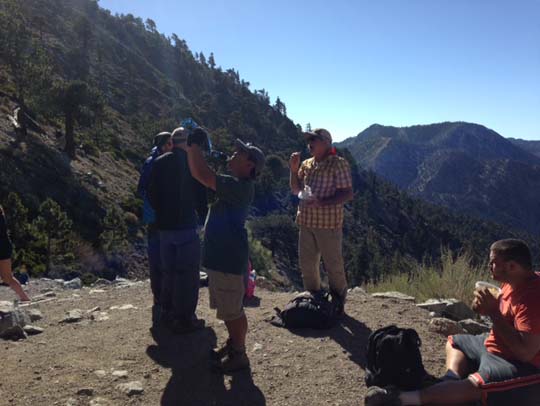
{"x":532,"y":147}
{"x":466,"y":167}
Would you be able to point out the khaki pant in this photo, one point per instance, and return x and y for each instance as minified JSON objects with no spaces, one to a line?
{"x":314,"y":243}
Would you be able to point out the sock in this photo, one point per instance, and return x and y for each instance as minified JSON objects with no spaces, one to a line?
{"x":410,"y":398}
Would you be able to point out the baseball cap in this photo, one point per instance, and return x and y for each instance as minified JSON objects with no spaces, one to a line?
{"x":255,"y":154}
{"x":321,"y":133}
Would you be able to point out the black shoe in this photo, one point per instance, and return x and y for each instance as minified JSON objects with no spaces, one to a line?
{"x":377,"y":396}
{"x":235,"y":360}
{"x":219,"y":354}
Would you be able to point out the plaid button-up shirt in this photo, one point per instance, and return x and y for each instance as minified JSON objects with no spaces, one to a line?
{"x":324,"y":178}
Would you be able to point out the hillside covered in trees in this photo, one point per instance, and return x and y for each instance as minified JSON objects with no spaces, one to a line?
{"x":94,"y":89}
{"x":463,"y":166}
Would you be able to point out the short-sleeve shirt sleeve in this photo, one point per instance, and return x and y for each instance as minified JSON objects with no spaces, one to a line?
{"x":342,"y":175}
{"x":527,"y":317}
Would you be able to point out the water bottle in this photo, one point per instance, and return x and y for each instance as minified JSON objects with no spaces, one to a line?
{"x":306,"y":193}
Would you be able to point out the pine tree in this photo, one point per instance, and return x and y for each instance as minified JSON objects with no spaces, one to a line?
{"x":55,"y":227}
{"x":211,"y":60}
{"x":77,"y":103}
{"x":15,"y":45}
{"x":202,"y":59}
{"x":114,"y":235}
{"x":151,"y":25}
{"x":280,"y":107}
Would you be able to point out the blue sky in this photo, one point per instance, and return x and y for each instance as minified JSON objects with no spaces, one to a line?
{"x":351,"y":63}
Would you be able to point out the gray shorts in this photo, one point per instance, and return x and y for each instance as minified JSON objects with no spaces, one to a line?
{"x":490,"y":368}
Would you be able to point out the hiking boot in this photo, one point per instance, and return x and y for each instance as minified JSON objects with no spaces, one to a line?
{"x":235,"y":360}
{"x":223,"y":351}
{"x":340,"y":308}
{"x":376,"y":396}
{"x":179,"y":327}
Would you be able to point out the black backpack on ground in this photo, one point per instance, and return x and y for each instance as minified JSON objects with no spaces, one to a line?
{"x":393,"y":358}
{"x":308,"y":310}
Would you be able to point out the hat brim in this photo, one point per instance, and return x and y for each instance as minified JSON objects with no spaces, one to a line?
{"x":310,"y":134}
{"x":238,"y":143}
{"x":259,"y":161}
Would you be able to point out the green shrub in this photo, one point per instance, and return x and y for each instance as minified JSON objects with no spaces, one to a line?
{"x":454,"y":277}
{"x":88,"y":278}
{"x":261,"y":257}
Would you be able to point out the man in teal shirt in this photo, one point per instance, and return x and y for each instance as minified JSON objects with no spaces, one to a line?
{"x":225,"y":249}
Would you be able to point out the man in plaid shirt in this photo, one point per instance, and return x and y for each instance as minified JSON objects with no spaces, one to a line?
{"x":320,"y":216}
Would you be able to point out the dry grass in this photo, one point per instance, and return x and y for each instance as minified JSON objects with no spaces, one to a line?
{"x":454,"y":278}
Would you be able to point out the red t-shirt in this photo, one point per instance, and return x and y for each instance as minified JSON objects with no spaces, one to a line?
{"x":520,"y":308}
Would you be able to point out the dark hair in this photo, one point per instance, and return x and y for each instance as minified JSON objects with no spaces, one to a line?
{"x":161,"y":139}
{"x":513,"y":250}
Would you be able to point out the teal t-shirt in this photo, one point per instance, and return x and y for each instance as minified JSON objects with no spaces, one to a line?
{"x":225,"y":247}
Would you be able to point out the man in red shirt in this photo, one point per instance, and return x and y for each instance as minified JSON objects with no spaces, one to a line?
{"x":511,"y":351}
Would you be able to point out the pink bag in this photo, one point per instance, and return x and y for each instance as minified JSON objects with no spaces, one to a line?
{"x":252,"y":276}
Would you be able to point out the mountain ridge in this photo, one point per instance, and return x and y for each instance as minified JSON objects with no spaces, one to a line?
{"x":459,"y":165}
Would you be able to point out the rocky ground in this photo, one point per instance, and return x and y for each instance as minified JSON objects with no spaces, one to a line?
{"x":109,"y":357}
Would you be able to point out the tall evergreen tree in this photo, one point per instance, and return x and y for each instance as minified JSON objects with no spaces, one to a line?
{"x":55,"y":226}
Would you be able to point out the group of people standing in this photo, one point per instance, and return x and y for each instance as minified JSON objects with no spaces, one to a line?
{"x":179,"y":186}
{"x":177,"y":182}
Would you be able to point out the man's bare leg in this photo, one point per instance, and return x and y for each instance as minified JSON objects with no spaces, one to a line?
{"x":454,"y":390}
{"x":456,"y":362}
{"x":449,"y":392}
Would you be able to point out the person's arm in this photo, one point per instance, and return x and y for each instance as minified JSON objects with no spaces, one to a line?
{"x":201,"y":202}
{"x":144,"y":178}
{"x":294,"y":165}
{"x":152,"y":187}
{"x":199,"y":168}
{"x":524,"y":345}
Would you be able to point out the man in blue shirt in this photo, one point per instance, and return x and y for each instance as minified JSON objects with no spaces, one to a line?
{"x":162,"y":145}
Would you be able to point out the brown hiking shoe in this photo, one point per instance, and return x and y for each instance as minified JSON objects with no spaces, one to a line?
{"x":235,"y":360}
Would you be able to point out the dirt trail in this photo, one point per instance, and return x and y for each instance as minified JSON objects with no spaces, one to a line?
{"x":58,"y":367}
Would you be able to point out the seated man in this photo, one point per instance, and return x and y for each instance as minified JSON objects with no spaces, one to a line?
{"x":510,"y":351}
